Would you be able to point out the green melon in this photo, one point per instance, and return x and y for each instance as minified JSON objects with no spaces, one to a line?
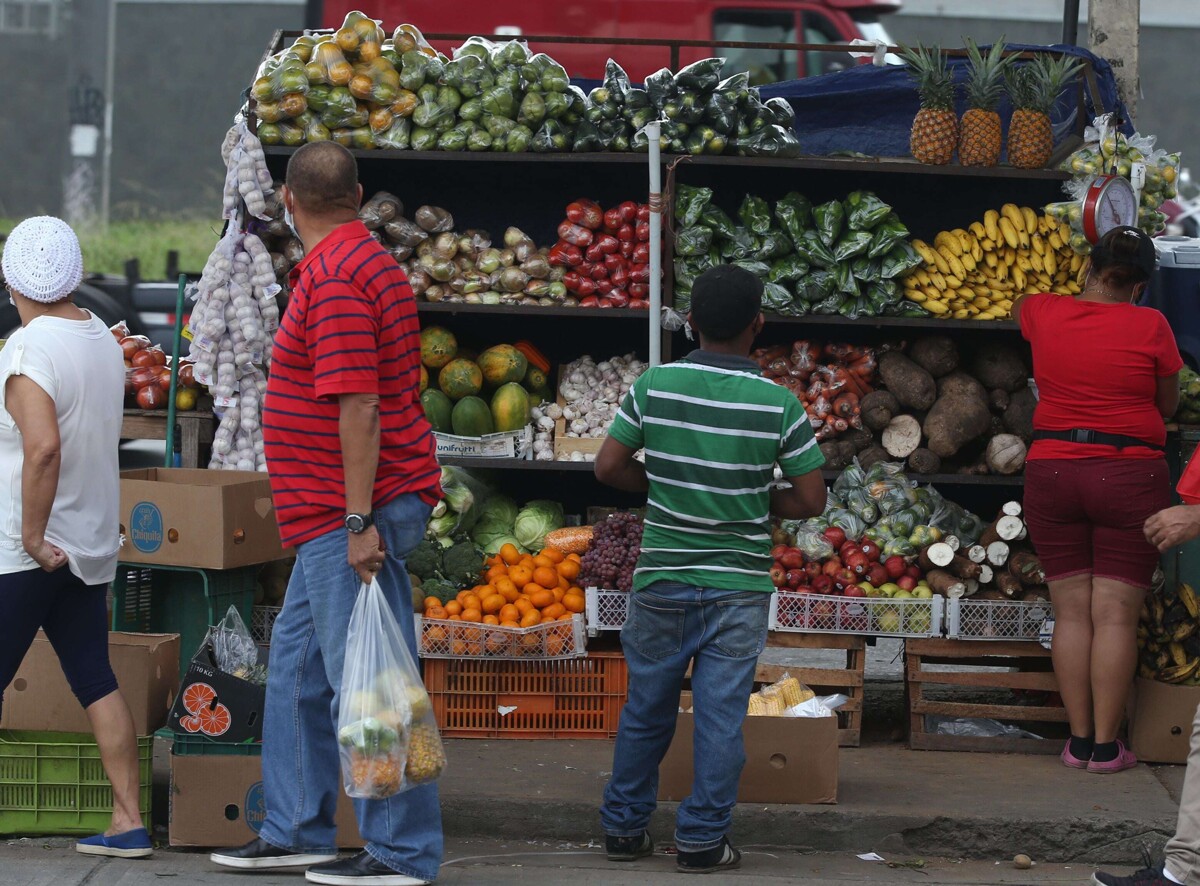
{"x":424,"y":378}
{"x":510,"y":407}
{"x":438,"y":346}
{"x":472,"y":418}
{"x":535,"y":379}
{"x":502,"y":364}
{"x":437,"y":408}
{"x":460,"y":378}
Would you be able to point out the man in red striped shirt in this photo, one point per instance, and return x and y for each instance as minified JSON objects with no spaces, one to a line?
{"x":352,"y":467}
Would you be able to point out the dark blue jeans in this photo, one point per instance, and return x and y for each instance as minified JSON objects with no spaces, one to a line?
{"x":721,"y":634}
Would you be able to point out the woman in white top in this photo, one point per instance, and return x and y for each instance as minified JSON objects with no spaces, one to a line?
{"x":62,"y":382}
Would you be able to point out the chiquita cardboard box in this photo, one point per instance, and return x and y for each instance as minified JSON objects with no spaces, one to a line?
{"x":202,"y":519}
{"x":1160,"y":730}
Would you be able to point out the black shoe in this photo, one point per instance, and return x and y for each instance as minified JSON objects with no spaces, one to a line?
{"x":1144,"y":877}
{"x":362,"y":868}
{"x":261,"y":855}
{"x":629,"y":848}
{"x":722,"y":857}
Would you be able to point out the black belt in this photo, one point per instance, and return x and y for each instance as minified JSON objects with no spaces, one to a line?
{"x":1098,"y":438}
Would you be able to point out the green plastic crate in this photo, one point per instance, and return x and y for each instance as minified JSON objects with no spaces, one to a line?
{"x":202,"y":746}
{"x":54,"y":783}
{"x":179,"y":600}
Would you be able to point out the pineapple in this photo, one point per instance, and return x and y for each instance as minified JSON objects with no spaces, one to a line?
{"x":979,"y":136}
{"x":935,"y":128}
{"x":1034,"y":88}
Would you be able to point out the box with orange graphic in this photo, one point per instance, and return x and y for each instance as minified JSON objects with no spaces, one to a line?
{"x":217,"y":705}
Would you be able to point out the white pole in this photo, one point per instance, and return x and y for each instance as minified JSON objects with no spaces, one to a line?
{"x":110,"y":76}
{"x":654,"y":133}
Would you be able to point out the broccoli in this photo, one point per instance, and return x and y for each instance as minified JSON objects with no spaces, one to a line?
{"x":425,"y":561}
{"x":463,"y":562}
{"x":440,"y":588}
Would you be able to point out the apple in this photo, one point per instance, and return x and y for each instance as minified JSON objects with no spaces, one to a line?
{"x":847,"y":549}
{"x":902,"y":595}
{"x":778,"y":551}
{"x":796,"y":577}
{"x":888,"y":620}
{"x":844,"y":578}
{"x":877,"y":575}
{"x":858,"y":562}
{"x":895,"y":566}
{"x":822,"y":584}
{"x":906,"y":582}
{"x":890,"y":589}
{"x":869,"y":548}
{"x":859,"y":590}
{"x":813,"y":569}
{"x":924,"y":592}
{"x":823,"y":609}
{"x":792,"y":559}
{"x":832,"y":565}
{"x":778,"y":575}
{"x":835,"y":535}
{"x":914,"y":571}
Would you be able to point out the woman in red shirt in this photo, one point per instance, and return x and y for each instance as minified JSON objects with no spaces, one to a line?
{"x":1107,"y":378}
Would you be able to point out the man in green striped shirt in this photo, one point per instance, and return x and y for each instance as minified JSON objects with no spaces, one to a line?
{"x":713,"y":430}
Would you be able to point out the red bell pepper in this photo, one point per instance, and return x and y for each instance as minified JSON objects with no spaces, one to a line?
{"x":571,"y":280}
{"x":589,"y":302}
{"x":606,"y":303}
{"x":612,"y":219}
{"x":640,"y":274}
{"x":641,"y":233}
{"x":608,"y":243}
{"x":619,"y":277}
{"x":564,"y":254}
{"x":612,"y":262}
{"x":594,"y":254}
{"x":627,"y":247}
{"x":643,"y":213}
{"x":587,"y":286}
{"x":625,"y":233}
{"x":599,"y":272}
{"x":574,"y":234}
{"x":639,"y":290}
{"x":619,"y":298}
{"x":586,"y":213}
{"x":629,"y":211}
{"x":641,"y":254}
{"x":603,"y":287}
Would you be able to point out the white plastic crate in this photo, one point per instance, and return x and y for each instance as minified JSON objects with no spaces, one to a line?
{"x":968,"y":619}
{"x":262,"y":619}
{"x":868,"y":616}
{"x":606,"y":610}
{"x":442,"y":638}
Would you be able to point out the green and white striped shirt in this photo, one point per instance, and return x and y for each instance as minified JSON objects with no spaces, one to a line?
{"x":713,"y":429}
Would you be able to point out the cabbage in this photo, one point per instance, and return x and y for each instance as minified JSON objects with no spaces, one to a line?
{"x":535,"y":520}
{"x":492,"y":542}
{"x":498,"y":511}
{"x":443,"y":526}
{"x":458,"y":496}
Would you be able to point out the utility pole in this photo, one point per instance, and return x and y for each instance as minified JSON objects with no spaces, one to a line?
{"x":1113,"y":31}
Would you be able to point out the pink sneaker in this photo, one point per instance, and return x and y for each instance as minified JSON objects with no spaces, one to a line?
{"x":1069,"y":759}
{"x":1124,"y":760}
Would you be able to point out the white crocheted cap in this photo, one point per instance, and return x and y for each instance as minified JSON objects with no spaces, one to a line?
{"x":42,"y":260}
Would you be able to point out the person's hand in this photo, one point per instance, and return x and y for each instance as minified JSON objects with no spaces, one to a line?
{"x":47,"y":555}
{"x":1174,"y":526}
{"x":366,"y":554}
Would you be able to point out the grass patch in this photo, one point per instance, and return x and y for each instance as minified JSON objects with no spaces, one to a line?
{"x":106,"y":251}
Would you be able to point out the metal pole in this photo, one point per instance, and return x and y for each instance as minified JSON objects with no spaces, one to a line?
{"x":654,"y":133}
{"x":110,"y":78}
{"x":176,"y":350}
{"x":1070,"y":34}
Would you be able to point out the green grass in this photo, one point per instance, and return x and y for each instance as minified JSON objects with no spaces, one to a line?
{"x":105,"y":252}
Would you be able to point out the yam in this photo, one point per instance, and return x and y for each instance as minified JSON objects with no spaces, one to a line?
{"x":1018,"y":417}
{"x":834,"y":458}
{"x":1004,"y":528}
{"x":959,"y":383}
{"x":936,"y":354}
{"x":990,"y":594}
{"x":955,"y":421}
{"x":999,"y":400}
{"x":977,"y":553}
{"x":1009,"y":586}
{"x":1011,"y":508}
{"x":872,"y":456}
{"x":877,"y":409}
{"x":1006,"y":454}
{"x":922,"y":461}
{"x":997,"y":553}
{"x":911,"y":385}
{"x":999,"y":366}
{"x":1027,"y":568}
{"x":945,"y":584}
{"x":902,"y":436}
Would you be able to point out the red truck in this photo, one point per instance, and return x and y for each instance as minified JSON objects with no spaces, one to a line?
{"x":759,"y":21}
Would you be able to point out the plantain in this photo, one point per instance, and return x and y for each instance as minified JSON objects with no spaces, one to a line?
{"x":1157,"y":612}
{"x":1178,"y":656}
{"x":1188,"y":597}
{"x":991,"y":221}
{"x":1145,"y":672}
{"x":1179,"y":673}
{"x":1182,"y":631}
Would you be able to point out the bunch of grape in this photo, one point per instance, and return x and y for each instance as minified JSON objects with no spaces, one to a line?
{"x":613,"y":553}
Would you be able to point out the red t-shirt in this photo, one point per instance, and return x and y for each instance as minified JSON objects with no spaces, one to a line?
{"x":350,"y":328}
{"x":1097,"y":366}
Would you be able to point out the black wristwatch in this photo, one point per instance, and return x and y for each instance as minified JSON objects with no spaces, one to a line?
{"x":358,"y":523}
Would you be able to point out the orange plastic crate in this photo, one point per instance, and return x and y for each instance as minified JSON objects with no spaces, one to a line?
{"x":573,"y":698}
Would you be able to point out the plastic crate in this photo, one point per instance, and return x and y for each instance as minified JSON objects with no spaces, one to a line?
{"x":262,"y":619}
{"x":867,"y":616}
{"x":578,"y":698}
{"x":968,"y":619}
{"x":179,"y":600}
{"x":606,"y":610}
{"x":558,"y":640}
{"x":202,"y":746}
{"x":54,"y":783}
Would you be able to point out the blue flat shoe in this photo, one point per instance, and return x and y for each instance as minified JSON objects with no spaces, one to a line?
{"x":131,"y":844}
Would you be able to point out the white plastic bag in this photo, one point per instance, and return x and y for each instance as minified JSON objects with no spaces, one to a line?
{"x":387,"y":736}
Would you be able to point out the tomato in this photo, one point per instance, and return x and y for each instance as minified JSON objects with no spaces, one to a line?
{"x":141,"y":377}
{"x":160,"y":357}
{"x":151,"y":397}
{"x":131,"y":344}
{"x":187,"y":375}
{"x":144,"y":357}
{"x":164,"y":378}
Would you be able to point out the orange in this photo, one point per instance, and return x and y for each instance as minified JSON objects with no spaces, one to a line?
{"x":472,"y":614}
{"x":542,"y":560}
{"x":531,"y":641}
{"x":496,"y":572}
{"x":554,"y":555}
{"x":527,"y":560}
{"x":497,"y":643}
{"x":541,"y":598}
{"x":503,"y":585}
{"x":520,"y":575}
{"x":563,"y":582}
{"x":430,"y":602}
{"x":510,"y":624}
{"x":453,"y":608}
{"x":509,"y":612}
{"x":553,"y":611}
{"x":556,"y":645}
{"x":558,"y":593}
{"x":574,"y":558}
{"x":434,"y":634}
{"x":491,"y":620}
{"x":566,"y":616}
{"x":547,"y":619}
{"x":545,"y":576}
{"x":575,"y":589}
{"x":472,"y":601}
{"x":523,"y":605}
{"x":493,"y":603}
{"x":436,"y":612}
{"x":510,"y":593}
{"x":509,"y":554}
{"x":568,"y":569}
{"x":531,"y":618}
{"x":454,"y":617}
{"x":574,"y":603}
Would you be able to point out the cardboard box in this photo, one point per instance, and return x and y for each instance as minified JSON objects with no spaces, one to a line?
{"x":788,"y":760}
{"x":147,"y":671}
{"x":503,"y":444}
{"x":1161,"y":726}
{"x":202,"y":519}
{"x":217,"y":705}
{"x":217,"y":801}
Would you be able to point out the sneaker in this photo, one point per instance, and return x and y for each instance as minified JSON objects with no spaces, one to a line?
{"x":1124,"y":760}
{"x":629,"y":848}
{"x":722,"y":857}
{"x":260,"y":855}
{"x":1069,"y":759}
{"x":1144,"y":877}
{"x":363,"y":868}
{"x":131,"y":844}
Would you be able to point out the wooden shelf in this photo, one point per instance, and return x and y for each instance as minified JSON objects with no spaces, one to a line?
{"x":898,"y":322}
{"x":518,"y":464}
{"x":476,"y":156}
{"x":532,"y":311}
{"x":951,"y":479}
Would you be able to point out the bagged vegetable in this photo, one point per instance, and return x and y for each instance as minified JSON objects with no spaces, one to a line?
{"x":888,"y":234}
{"x":588,"y":139}
{"x":720,"y":112}
{"x":511,"y":53}
{"x":813,"y":544}
{"x":690,"y":204}
{"x":382,"y":208}
{"x":500,"y":101}
{"x":388,"y":739}
{"x":328,"y":65}
{"x":849,"y":522}
{"x":864,"y":210}
{"x":789,"y":269}
{"x":421,"y":139}
{"x":860,"y":502}
{"x":532,"y":111}
{"x":552,"y":136}
{"x":829,"y":219}
{"x":810,"y":248}
{"x":770,"y":141}
{"x":755,"y":214}
{"x":794,"y":212}
{"x":616,"y":81}
{"x":818,"y":286}
{"x":701,"y":76}
{"x":434,"y":219}
{"x":780,"y":112}
{"x":776,"y":299}
{"x":899,"y":261}
{"x":661,"y":87}
{"x":694,"y":240}
{"x":852,"y":243}
{"x":741,"y":245}
{"x":234,"y":649}
{"x":417,"y":69}
{"x":865,"y":270}
{"x":757,"y":268}
{"x":396,"y":137}
{"x":714,"y":217}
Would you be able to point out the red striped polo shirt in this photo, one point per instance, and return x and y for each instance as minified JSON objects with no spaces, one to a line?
{"x":350,"y":328}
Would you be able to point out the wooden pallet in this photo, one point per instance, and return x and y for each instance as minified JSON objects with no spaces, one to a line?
{"x":1034,"y":672}
{"x":827,"y":681}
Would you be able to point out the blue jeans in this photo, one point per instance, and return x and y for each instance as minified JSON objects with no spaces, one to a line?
{"x":721,"y":633}
{"x":301,"y":772}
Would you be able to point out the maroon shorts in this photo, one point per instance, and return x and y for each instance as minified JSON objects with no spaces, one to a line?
{"x":1085,"y":515}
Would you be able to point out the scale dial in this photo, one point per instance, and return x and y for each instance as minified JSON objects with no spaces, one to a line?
{"x":1110,"y":202}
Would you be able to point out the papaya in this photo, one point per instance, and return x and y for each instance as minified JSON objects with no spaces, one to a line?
{"x":438,"y":346}
{"x":424,"y":378}
{"x":535,"y":379}
{"x":510,"y":407}
{"x":502,"y":364}
{"x":541,"y":395}
{"x":460,"y":378}
{"x":437,"y":408}
{"x":471,"y":418}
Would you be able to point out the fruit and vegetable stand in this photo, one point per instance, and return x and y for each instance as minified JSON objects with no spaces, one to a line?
{"x":195,"y":431}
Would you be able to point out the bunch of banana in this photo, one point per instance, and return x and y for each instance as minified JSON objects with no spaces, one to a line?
{"x":976,"y":274}
{"x":1169,"y":637}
